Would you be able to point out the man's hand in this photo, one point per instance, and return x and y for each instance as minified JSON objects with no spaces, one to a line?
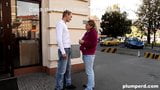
{"x":64,"y":56}
{"x":81,"y":41}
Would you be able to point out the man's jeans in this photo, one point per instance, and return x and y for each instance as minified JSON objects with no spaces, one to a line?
{"x":89,"y":62}
{"x":63,"y":76}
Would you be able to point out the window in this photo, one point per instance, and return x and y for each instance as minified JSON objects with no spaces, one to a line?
{"x":26,"y":23}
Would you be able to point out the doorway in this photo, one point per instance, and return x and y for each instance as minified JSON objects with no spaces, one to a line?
{"x":26,"y":32}
{"x":20,"y":35}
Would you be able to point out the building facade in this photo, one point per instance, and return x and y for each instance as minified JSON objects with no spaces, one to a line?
{"x":28,"y":40}
{"x":80,"y":9}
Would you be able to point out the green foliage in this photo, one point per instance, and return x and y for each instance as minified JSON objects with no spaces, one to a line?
{"x":115,"y":24}
{"x":149,"y":17}
{"x":135,"y":32}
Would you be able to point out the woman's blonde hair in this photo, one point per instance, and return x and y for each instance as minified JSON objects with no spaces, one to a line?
{"x":92,"y":23}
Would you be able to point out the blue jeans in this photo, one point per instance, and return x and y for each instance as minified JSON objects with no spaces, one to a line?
{"x":89,"y":62}
{"x":63,"y":76}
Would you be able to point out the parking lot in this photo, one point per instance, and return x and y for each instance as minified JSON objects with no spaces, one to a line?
{"x":121,"y":49}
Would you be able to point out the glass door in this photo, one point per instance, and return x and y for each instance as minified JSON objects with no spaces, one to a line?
{"x":26,"y":31}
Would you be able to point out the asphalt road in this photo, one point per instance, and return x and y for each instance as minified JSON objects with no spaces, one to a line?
{"x":114,"y":70}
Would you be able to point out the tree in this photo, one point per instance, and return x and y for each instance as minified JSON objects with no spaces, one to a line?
{"x":149,"y":17}
{"x":115,"y":24}
{"x":135,"y":32}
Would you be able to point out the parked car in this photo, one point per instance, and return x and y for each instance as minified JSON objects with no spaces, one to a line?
{"x":103,"y":40}
{"x":134,"y":43}
{"x":113,"y":42}
{"x":110,"y":41}
{"x":121,"y":38}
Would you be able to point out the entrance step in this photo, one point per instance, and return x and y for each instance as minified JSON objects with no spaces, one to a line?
{"x":9,"y":84}
{"x":4,"y":76}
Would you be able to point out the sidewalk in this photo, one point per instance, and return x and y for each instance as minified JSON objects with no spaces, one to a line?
{"x":42,"y":81}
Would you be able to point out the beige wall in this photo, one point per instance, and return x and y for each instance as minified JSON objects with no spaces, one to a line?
{"x":80,"y":10}
{"x":45,"y":31}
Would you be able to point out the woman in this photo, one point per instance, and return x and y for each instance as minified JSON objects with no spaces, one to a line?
{"x":88,"y":48}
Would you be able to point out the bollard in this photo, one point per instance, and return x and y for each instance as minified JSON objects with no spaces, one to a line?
{"x":139,"y":53}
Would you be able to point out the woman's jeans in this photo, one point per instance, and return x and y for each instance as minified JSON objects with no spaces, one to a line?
{"x":89,"y":62}
{"x":63,"y":76}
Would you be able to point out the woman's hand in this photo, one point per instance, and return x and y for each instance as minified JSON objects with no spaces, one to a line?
{"x":81,"y":41}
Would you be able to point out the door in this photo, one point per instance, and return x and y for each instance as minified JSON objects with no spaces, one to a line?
{"x":2,"y":69}
{"x":20,"y":34}
{"x":5,"y":32}
{"x":26,"y":33}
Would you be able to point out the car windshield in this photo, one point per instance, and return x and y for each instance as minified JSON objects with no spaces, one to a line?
{"x":108,"y":39}
{"x":133,"y":39}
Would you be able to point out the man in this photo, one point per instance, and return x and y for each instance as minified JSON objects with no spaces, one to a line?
{"x":63,"y":76}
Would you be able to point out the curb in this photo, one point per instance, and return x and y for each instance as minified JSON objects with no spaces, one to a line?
{"x":109,"y":50}
{"x":151,"y":55}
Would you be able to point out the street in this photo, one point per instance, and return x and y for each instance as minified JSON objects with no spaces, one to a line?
{"x":117,"y":70}
{"x":132,"y":52}
{"x":112,"y":71}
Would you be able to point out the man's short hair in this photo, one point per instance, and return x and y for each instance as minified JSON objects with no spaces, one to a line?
{"x":66,"y":12}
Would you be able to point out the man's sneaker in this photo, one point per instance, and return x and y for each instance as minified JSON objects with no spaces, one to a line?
{"x":70,"y":87}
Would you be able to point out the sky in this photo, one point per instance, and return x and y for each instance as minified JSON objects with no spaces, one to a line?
{"x":26,"y":8}
{"x":98,"y":7}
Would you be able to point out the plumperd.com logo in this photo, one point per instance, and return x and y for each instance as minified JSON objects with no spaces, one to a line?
{"x":126,"y":86}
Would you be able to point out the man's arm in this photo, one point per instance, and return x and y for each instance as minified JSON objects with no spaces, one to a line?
{"x":59,"y":35}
